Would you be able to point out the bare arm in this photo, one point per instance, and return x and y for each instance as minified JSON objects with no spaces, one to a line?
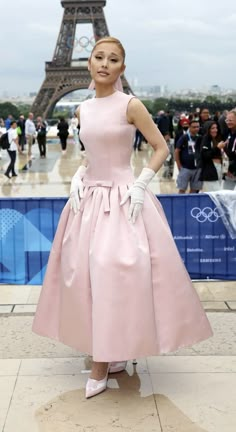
{"x":177,"y":158}
{"x":138,"y":115}
{"x":17,"y":143}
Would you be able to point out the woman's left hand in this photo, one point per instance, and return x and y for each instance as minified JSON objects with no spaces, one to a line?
{"x":137,"y":193}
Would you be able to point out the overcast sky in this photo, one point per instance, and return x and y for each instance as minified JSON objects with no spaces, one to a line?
{"x":179,"y":43}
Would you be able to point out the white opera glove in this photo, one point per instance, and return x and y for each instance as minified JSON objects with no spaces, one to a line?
{"x":77,"y":188}
{"x":137,"y":193}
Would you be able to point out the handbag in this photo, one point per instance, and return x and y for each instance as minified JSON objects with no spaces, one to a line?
{"x":18,"y":130}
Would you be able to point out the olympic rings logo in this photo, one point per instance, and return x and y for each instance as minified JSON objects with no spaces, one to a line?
{"x":206,"y":214}
{"x":81,"y":44}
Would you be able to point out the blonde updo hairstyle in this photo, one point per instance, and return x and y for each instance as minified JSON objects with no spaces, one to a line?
{"x":110,"y":39}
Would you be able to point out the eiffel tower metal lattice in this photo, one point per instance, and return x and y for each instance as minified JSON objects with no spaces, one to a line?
{"x":65,"y":73}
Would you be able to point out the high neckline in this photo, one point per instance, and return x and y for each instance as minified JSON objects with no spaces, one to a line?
{"x":106,"y":97}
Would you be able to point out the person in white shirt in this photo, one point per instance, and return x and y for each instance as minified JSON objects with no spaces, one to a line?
{"x":74,"y":126}
{"x":30,"y":133}
{"x":14,"y":146}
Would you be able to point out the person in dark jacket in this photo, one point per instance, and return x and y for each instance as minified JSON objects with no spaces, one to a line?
{"x":41,"y":129}
{"x":163,"y":123}
{"x":63,"y":132}
{"x":187,"y":155}
{"x":138,"y":140}
{"x":21,"y":125}
{"x":230,"y":150}
{"x":211,"y":158}
{"x":171,"y":125}
{"x":204,"y":119}
{"x":182,"y":129}
{"x":224,"y":130}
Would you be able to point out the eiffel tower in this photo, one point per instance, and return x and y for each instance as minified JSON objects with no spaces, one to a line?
{"x":68,"y":70}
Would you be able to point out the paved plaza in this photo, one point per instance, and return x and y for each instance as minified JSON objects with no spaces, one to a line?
{"x":42,"y":382}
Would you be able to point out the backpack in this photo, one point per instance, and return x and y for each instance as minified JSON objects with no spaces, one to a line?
{"x":4,"y":141}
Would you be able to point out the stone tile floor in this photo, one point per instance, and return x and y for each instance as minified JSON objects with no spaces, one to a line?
{"x":42,"y":381}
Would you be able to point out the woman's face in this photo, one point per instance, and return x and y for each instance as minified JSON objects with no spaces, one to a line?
{"x":106,"y":63}
{"x":213,"y":131}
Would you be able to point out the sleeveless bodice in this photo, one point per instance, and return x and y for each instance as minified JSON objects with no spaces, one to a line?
{"x":107,"y":137}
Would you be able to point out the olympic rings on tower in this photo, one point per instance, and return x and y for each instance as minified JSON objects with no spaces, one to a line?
{"x":84,"y":43}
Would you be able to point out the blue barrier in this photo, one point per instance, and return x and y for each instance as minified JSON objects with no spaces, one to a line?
{"x":27,"y":228}
{"x":201,"y":237}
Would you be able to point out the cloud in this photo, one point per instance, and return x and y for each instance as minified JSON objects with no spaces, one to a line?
{"x":231,"y":19}
{"x":41,"y":28}
{"x":174,"y":25}
{"x":168,"y":42}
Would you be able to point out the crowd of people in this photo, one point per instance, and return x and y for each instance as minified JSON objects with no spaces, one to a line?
{"x":23,"y":133}
{"x":27,"y":132}
{"x":200,"y":149}
{"x":199,"y":145}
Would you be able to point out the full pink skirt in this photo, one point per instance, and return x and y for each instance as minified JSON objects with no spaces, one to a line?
{"x":117,"y":290}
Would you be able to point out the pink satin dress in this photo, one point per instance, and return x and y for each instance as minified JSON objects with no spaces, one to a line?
{"x":114,"y":289}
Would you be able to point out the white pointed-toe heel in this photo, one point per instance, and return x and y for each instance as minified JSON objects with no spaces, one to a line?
{"x":94,"y":387}
{"x":117,"y":366}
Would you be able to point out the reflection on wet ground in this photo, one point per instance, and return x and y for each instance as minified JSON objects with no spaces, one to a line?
{"x":51,"y":176}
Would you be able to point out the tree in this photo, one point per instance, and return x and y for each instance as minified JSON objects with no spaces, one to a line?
{"x":160,"y":104}
{"x":63,"y":113}
{"x":149,"y":105}
{"x":24,"y":109}
{"x":189,"y":105}
{"x":7,"y":108}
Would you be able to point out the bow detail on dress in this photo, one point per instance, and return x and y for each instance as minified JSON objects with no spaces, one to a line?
{"x":91,"y":186}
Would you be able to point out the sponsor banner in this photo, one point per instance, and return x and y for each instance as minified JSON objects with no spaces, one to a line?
{"x":27,"y":228}
{"x":200,"y":235}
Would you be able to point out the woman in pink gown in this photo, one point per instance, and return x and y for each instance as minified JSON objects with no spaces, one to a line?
{"x":116,"y":287}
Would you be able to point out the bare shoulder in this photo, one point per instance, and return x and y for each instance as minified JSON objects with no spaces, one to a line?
{"x":135,"y":109}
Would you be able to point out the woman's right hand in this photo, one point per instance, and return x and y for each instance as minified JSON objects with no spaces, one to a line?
{"x":77,"y":189}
